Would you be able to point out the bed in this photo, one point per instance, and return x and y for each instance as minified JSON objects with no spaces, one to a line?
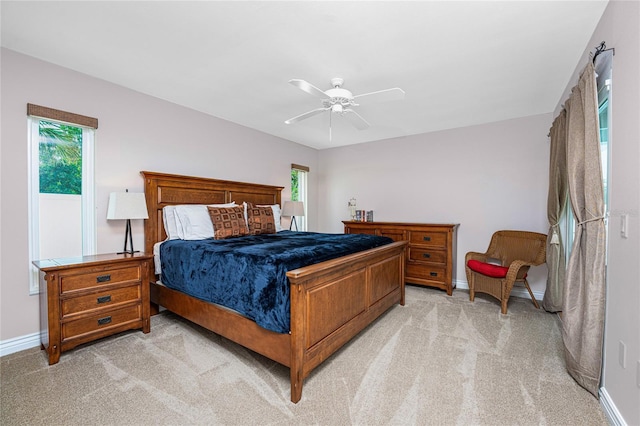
{"x":330,"y":302}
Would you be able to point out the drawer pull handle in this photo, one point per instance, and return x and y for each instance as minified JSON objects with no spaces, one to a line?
{"x":104,"y":299}
{"x":426,"y":255}
{"x":105,"y":320}
{"x":426,"y":238}
{"x":433,"y":274}
{"x":103,"y":278}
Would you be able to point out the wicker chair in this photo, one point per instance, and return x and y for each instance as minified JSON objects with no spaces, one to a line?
{"x":516,"y":252}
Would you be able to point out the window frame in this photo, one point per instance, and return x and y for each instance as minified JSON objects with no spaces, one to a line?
{"x":303,"y":179}
{"x":89,"y":125}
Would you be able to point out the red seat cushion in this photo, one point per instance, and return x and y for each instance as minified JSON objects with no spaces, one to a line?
{"x":488,"y":269}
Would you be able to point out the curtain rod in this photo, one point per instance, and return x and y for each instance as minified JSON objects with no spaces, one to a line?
{"x":602,"y":48}
{"x":599,"y":49}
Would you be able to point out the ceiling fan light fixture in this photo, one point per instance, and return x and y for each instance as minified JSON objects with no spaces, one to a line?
{"x":341,"y":101}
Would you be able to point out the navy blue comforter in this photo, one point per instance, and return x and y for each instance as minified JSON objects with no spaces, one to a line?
{"x":248,"y":274}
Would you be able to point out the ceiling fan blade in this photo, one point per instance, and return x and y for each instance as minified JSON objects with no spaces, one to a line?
{"x":309,"y":88}
{"x":355,"y":119}
{"x":306,"y":115}
{"x":395,"y":94}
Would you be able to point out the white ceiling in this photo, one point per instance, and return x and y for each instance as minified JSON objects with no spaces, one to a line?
{"x":460,"y":62}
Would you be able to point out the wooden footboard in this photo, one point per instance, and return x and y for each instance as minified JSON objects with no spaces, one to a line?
{"x":331,"y":301}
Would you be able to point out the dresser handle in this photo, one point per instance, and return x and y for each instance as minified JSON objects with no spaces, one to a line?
{"x":426,"y":255}
{"x":426,"y":238}
{"x":104,"y":299}
{"x":103,"y":278}
{"x":105,"y":320}
{"x":433,"y":274}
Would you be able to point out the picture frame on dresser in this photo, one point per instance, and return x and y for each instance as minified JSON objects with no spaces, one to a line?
{"x":431,"y":253}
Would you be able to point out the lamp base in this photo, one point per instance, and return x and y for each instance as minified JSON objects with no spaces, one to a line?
{"x":128,"y":252}
{"x":128,"y":240}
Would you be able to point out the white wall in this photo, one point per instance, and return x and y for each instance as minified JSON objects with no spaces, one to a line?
{"x":487,"y":177}
{"x":136,"y":132}
{"x":619,"y":27}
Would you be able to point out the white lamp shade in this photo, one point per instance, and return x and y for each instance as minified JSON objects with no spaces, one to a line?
{"x":293,"y":208}
{"x":127,"y":205}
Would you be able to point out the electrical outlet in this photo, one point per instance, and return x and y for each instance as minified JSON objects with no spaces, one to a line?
{"x":622,"y":354}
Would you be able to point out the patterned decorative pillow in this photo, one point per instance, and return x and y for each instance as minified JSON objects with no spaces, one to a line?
{"x":261,"y":219}
{"x":228,"y":222}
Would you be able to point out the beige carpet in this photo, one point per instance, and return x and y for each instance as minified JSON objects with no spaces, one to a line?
{"x":438,"y":360}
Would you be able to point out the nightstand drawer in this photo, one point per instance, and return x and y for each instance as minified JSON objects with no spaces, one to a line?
{"x":105,"y":277}
{"x":100,"y":321}
{"x":425,"y":272}
{"x":99,"y":300}
{"x":438,"y":239}
{"x":424,"y":254}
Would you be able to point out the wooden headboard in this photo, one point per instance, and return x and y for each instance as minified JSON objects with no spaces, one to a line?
{"x":162,"y":189}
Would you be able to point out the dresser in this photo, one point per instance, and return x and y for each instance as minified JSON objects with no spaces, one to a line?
{"x":430,"y":258}
{"x":89,"y":297}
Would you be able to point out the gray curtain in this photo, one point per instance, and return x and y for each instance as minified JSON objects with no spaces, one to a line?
{"x":584,"y":292}
{"x":556,"y":203}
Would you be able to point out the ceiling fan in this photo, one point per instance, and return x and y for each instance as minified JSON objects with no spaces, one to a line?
{"x":341,"y":101}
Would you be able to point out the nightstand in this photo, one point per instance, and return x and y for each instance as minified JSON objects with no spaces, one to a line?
{"x":90,"y":297}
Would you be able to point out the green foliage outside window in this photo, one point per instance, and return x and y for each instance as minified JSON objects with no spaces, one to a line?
{"x":60,"y":155}
{"x":294,"y":185}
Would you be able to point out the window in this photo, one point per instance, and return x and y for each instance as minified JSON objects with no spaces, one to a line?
{"x":603,"y":120}
{"x":299,"y":191}
{"x":603,"y":81}
{"x":603,"y":71}
{"x":61,"y":186}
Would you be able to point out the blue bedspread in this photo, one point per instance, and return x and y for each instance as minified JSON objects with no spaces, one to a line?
{"x":248,"y":274}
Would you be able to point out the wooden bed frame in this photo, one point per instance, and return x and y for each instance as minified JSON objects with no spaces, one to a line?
{"x":331,"y":301}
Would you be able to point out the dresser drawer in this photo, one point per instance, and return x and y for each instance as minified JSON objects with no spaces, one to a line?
{"x":438,"y":239}
{"x":425,"y":272}
{"x":393,"y":234}
{"x":368,"y":231}
{"x":103,"y":277}
{"x":103,"y":299}
{"x":430,"y":255}
{"x":426,"y":254}
{"x":99,"y":321}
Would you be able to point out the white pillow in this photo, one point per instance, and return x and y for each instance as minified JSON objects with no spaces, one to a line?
{"x":171,"y":223}
{"x":276,"y":214}
{"x":195,"y":221}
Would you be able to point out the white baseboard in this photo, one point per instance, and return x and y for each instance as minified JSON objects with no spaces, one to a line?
{"x":610,"y":409}
{"x":18,"y":344}
{"x":516,"y":292}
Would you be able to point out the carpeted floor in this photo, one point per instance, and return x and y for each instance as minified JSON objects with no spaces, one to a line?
{"x":438,"y":360}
